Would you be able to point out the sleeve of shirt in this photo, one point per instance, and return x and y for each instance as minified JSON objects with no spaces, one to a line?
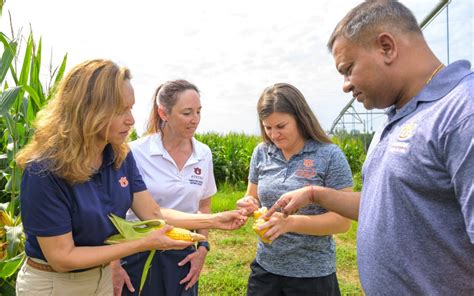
{"x":253,"y":172}
{"x":138,"y":185}
{"x":210,"y":187}
{"x":459,"y":156}
{"x":339,"y":174}
{"x":45,"y":208}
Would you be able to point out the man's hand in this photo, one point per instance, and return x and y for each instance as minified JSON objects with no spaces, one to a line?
{"x":197,"y":262}
{"x":119,"y":278}
{"x":291,"y":201}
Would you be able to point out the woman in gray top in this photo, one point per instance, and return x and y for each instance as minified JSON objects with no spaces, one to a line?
{"x":295,"y":153}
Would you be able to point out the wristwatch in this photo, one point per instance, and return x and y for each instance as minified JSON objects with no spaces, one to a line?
{"x":204,"y":244}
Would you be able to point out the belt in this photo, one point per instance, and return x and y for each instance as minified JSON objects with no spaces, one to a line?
{"x":47,"y":267}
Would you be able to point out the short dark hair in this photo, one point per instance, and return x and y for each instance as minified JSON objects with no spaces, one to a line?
{"x":365,"y":21}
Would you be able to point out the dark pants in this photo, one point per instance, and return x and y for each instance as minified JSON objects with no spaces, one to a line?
{"x":164,"y":274}
{"x":262,"y":283}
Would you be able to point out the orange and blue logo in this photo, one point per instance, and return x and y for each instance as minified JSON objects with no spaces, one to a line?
{"x":123,"y":181}
{"x":308,"y":162}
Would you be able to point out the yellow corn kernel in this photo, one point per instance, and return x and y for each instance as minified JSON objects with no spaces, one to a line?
{"x":259,"y":221}
{"x":5,"y":219}
{"x":256,"y":224}
{"x":185,"y":235}
{"x":258,"y":213}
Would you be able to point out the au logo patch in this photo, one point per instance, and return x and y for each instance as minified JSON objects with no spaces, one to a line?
{"x":197,"y":171}
{"x":123,"y":181}
{"x":308,"y":162}
{"x":308,"y":170}
{"x":407,"y":131}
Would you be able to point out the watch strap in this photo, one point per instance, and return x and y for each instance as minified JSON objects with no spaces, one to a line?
{"x":204,"y":244}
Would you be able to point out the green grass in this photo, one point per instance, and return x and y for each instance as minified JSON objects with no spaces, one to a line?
{"x":227,"y":265}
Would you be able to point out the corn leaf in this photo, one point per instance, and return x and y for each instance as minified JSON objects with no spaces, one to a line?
{"x":146,"y":268}
{"x":7,"y":99}
{"x":9,"y":266}
{"x":14,"y":235}
{"x":61,"y":70}
{"x":7,"y":57}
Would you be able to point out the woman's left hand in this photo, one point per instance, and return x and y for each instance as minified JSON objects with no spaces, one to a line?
{"x":120,"y":278}
{"x":230,"y":220}
{"x":277,"y":225}
{"x":197,"y":262}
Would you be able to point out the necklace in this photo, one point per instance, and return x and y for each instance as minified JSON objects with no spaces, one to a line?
{"x":435,"y":72}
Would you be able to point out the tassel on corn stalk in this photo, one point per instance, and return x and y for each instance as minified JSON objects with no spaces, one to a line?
{"x":131,"y":230}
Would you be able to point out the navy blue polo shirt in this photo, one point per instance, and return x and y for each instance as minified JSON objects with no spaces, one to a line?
{"x":51,"y":207}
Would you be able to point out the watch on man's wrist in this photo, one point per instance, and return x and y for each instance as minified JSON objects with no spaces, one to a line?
{"x":204,"y":244}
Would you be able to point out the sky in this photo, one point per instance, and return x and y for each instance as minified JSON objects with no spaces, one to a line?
{"x":231,"y":50}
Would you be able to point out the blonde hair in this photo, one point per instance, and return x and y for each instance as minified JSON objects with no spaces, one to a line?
{"x":67,"y":127}
{"x":285,"y":98}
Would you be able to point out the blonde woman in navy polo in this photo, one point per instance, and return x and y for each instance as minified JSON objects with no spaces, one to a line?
{"x":77,"y":170}
{"x":296,"y":153}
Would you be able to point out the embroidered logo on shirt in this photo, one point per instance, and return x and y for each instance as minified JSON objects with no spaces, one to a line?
{"x":308,"y":170}
{"x":407,"y":131}
{"x":197,"y":171}
{"x":123,"y":181}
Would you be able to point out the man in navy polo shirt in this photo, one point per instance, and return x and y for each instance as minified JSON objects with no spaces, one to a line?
{"x":416,"y":216}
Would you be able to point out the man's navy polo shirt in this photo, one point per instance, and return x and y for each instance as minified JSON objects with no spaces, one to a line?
{"x":51,"y":207}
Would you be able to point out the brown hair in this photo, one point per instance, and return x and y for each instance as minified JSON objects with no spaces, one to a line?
{"x":166,"y":95}
{"x":285,"y":98}
{"x":66,"y":128}
{"x":365,"y":21}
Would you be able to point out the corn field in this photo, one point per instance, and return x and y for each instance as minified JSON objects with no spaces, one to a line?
{"x":22,"y":95}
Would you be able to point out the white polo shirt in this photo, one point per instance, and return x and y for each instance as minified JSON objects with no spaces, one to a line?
{"x":171,"y":188}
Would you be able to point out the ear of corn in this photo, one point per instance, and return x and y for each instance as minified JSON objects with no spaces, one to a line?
{"x":185,"y":235}
{"x":258,"y":222}
{"x":258,"y":213}
{"x":131,"y":230}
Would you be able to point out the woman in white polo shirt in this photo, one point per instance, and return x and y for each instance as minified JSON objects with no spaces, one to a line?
{"x":179,"y":174}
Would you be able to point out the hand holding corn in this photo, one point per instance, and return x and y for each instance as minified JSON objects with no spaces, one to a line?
{"x":258,"y":222}
{"x":154,"y":233}
{"x":270,"y":228}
